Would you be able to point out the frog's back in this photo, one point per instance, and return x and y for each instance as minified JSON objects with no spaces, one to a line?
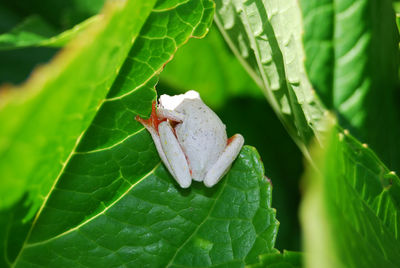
{"x":202,"y":136}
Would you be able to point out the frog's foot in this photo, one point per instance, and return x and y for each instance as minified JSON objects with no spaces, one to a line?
{"x":152,"y":123}
{"x":223,"y":163}
{"x":158,"y":115}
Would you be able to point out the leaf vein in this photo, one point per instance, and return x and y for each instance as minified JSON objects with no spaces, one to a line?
{"x":28,"y":245}
{"x":198,"y":227}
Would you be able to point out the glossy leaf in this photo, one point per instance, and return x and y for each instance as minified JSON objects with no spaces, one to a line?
{"x":153,"y":221}
{"x":53,"y":109}
{"x":353,"y":60}
{"x":111,"y":202}
{"x":266,"y":37}
{"x":350,"y":213}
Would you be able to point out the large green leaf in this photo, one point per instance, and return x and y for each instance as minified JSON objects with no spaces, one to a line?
{"x":353,"y":61}
{"x":111,"y":202}
{"x":350,"y":213}
{"x":266,"y":37}
{"x":44,"y":119}
{"x":149,"y":220}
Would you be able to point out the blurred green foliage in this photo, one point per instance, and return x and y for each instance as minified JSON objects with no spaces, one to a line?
{"x":46,"y":19}
{"x":60,"y":14}
{"x":18,"y":64}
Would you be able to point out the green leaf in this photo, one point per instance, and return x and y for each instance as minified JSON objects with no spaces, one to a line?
{"x":44,"y":119}
{"x":34,"y":31}
{"x":153,"y":221}
{"x":350,"y":212}
{"x":266,"y":37}
{"x":111,"y":202}
{"x":94,"y":189}
{"x":353,"y":61}
{"x":288,"y":259}
{"x":209,"y":57}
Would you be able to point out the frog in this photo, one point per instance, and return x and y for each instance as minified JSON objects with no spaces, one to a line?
{"x":191,"y":139}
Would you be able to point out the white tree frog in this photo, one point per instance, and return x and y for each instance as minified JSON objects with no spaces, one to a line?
{"x":191,"y":139}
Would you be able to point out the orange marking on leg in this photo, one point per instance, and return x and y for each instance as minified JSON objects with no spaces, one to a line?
{"x":153,"y":121}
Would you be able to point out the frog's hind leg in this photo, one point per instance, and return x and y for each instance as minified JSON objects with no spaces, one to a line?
{"x":174,"y":156}
{"x":223,"y":163}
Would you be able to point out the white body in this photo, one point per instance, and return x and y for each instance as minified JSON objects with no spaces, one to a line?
{"x":192,"y":142}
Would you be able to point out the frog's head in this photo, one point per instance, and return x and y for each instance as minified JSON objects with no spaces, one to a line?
{"x":171,"y":102}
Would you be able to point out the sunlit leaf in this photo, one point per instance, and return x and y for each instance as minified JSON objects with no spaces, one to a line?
{"x":153,"y":221}
{"x":266,"y":37}
{"x":93,"y":184}
{"x":44,"y":119}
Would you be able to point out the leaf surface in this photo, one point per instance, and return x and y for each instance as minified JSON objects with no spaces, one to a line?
{"x":155,"y":222}
{"x":350,"y":213}
{"x":111,"y":203}
{"x":266,"y":37}
{"x":52,"y":110}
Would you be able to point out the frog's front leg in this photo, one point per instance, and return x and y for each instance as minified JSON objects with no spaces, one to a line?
{"x":174,"y":155}
{"x":169,"y":114}
{"x":225,"y":160}
{"x":167,"y":145}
